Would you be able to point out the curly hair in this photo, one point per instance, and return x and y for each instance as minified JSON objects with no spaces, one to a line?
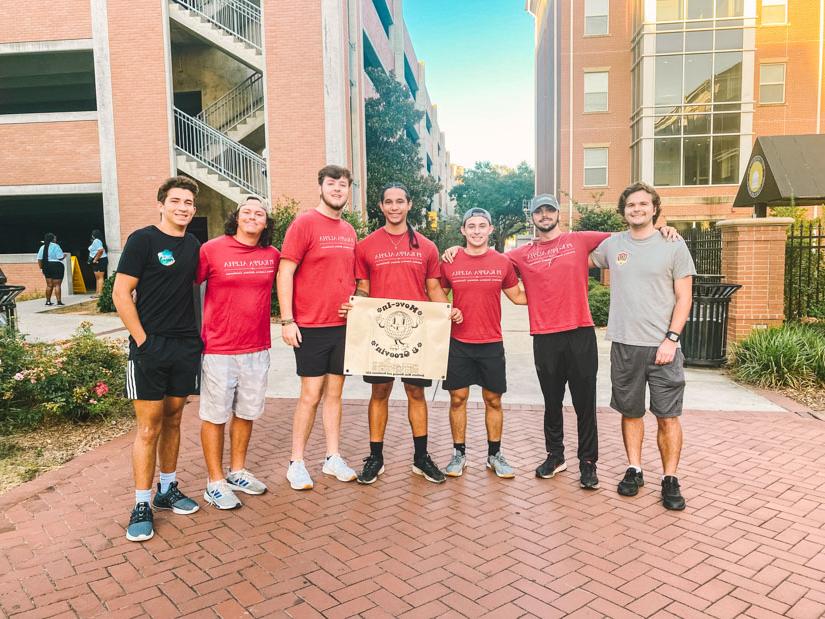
{"x":641,"y":186}
{"x":180,"y":182}
{"x":231,"y":225}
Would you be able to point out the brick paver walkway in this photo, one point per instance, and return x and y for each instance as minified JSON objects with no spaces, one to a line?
{"x":749,"y":544}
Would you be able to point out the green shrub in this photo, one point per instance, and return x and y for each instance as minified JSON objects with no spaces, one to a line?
{"x":79,"y":379}
{"x":789,"y":356}
{"x":599,"y":298}
{"x":104,"y":301}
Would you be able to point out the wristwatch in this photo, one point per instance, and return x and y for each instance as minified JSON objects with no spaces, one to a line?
{"x":672,"y":336}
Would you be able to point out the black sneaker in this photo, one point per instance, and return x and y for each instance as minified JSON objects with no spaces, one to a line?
{"x":175,"y":500}
{"x":141,"y":526}
{"x":373,"y":467}
{"x":588,"y":475}
{"x":429,"y":470}
{"x":671,"y":496}
{"x":550,"y":467}
{"x":633,"y":480}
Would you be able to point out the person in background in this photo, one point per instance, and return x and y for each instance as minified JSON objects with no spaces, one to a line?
{"x":99,"y":260}
{"x":50,"y":261}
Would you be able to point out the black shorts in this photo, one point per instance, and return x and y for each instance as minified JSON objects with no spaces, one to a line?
{"x":383,"y":380}
{"x":100,"y":266}
{"x":321,"y":351}
{"x":53,"y":270}
{"x":163,"y":366}
{"x":476,"y":364}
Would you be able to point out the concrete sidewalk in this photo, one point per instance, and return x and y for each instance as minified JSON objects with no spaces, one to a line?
{"x":706,"y":389}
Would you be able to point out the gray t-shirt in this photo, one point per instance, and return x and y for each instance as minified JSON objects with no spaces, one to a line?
{"x":642,"y":273}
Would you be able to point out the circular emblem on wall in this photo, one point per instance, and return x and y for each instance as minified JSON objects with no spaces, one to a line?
{"x":756,"y":176}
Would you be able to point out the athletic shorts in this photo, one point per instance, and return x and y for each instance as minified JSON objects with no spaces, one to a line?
{"x":163,"y":366}
{"x":233,"y":383}
{"x":321,"y":351}
{"x":100,"y":266}
{"x":383,"y":380}
{"x":53,"y":270}
{"x":632,"y":368}
{"x":476,"y":364}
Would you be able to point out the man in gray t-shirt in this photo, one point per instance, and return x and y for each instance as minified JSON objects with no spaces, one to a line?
{"x":650,"y":297}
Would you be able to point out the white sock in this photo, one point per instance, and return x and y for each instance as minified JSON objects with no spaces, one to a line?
{"x":166,"y":479}
{"x":143,"y":496}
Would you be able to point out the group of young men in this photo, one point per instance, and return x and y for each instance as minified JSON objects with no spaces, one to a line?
{"x":321,"y":265}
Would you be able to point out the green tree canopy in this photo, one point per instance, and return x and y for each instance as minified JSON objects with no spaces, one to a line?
{"x":597,"y":217}
{"x":392,"y":157}
{"x":500,"y":190}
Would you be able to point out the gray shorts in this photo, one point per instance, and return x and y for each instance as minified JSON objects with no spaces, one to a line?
{"x":233,"y":384}
{"x":632,"y":368}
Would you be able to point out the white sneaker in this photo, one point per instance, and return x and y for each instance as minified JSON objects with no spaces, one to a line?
{"x":220,"y":495}
{"x":298,"y":476}
{"x":336,"y":466}
{"x":245,"y":481}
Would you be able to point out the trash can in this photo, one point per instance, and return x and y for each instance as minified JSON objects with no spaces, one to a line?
{"x":705,"y":337}
{"x":8,"y":306}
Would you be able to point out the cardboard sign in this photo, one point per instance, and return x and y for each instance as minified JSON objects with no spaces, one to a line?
{"x":388,"y":337}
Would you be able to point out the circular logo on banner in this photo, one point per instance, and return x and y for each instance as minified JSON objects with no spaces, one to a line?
{"x":756,"y":176}
{"x":399,"y":320}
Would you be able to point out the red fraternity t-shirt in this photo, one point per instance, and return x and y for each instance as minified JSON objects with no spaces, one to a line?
{"x":555,"y":280}
{"x":477,"y":282}
{"x":324,"y":250}
{"x":394,"y":269}
{"x":238,"y":291}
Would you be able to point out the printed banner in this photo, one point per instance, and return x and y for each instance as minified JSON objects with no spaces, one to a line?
{"x":388,"y":337}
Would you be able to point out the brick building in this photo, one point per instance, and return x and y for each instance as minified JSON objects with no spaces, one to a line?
{"x":672,"y":92}
{"x":100,"y":100}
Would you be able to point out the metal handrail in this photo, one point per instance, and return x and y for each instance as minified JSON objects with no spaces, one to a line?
{"x":236,"y":105}
{"x":240,"y":18}
{"x":211,"y":148}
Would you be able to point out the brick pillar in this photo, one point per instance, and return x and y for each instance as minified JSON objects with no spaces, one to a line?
{"x":753,"y":255}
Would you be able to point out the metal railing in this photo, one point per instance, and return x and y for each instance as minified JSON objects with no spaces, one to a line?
{"x":705,"y":245}
{"x":236,"y":105}
{"x":805,"y":271}
{"x":211,"y":148}
{"x":240,"y":18}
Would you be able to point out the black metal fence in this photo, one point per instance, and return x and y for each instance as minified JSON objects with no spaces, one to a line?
{"x":705,"y":245}
{"x":805,"y":270}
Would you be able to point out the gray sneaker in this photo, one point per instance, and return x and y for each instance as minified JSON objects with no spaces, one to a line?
{"x":220,"y":495}
{"x":298,"y":476}
{"x":499,"y":466}
{"x":337,"y":467}
{"x":245,"y":481}
{"x":457,"y":465}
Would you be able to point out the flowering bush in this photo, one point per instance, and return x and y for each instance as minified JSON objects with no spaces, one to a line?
{"x":78,"y":379}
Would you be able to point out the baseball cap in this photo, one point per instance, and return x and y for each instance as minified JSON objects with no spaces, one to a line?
{"x":543,"y":199}
{"x":264,"y":203}
{"x":477,"y":212}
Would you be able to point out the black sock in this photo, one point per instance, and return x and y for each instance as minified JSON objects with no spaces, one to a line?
{"x":493,"y":447}
{"x":420,"y":443}
{"x":377,"y":449}
{"x":459,"y":447}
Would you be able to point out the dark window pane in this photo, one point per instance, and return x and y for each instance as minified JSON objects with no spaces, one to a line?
{"x":666,"y":162}
{"x":697,"y":161}
{"x":670,"y":42}
{"x":726,"y":159}
{"x":696,"y":124}
{"x":667,"y":125}
{"x":699,"y":41}
{"x":698,"y":71}
{"x":728,"y":39}
{"x":726,"y":123}
{"x":728,"y":77}
{"x":668,"y":80}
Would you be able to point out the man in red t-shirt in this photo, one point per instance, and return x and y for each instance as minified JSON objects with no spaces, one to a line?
{"x":396,"y":262}
{"x":316,"y":276}
{"x":477,"y":275}
{"x":238,"y":268}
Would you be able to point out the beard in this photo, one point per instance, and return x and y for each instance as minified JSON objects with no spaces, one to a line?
{"x":333,"y":205}
{"x":546,"y":228}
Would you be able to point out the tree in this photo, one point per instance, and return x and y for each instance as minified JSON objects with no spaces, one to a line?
{"x":392,"y":157}
{"x":501,"y":191}
{"x":597,"y":217}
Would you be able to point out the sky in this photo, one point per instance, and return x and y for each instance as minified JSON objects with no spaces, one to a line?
{"x":478,"y":58}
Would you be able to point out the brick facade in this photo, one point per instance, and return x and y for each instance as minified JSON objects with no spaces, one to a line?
{"x":45,"y":20}
{"x":753,"y":255}
{"x":28,"y":275}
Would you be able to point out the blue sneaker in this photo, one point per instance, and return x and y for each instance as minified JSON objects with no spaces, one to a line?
{"x":175,"y":500}
{"x":141,"y":526}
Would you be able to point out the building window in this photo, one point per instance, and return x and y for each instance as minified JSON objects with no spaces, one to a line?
{"x":596,"y":17}
{"x":595,"y":91}
{"x":595,"y":167}
{"x":772,"y":83}
{"x":774,"y":12}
